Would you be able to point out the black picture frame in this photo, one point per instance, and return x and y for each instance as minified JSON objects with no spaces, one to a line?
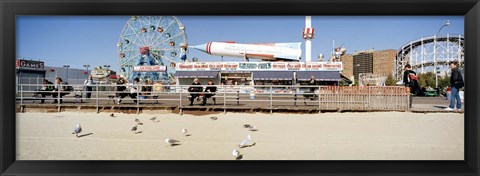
{"x":9,"y":9}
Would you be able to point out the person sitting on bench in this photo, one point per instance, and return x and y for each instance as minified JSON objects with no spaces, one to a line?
{"x":209,"y":92}
{"x":194,"y":90}
{"x":61,"y":87}
{"x":120,"y":89}
{"x":146,"y":89}
{"x":45,"y":90}
{"x":132,"y":88}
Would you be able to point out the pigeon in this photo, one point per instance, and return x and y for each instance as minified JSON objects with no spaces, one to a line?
{"x":171,"y":141}
{"x":236,"y":154}
{"x":246,"y":126}
{"x":245,"y":142}
{"x":138,"y":122}
{"x":184,"y":131}
{"x":134,"y":129}
{"x":77,"y":130}
{"x":112,"y":115}
{"x":213,"y":118}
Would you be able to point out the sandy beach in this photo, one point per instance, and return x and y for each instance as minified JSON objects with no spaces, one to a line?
{"x":327,"y":136}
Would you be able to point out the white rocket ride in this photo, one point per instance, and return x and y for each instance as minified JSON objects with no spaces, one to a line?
{"x":263,"y":51}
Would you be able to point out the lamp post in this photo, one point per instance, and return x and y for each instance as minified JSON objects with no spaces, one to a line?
{"x":447,"y":23}
{"x":66,"y":66}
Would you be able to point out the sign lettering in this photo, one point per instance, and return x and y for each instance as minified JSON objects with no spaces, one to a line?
{"x":252,"y":66}
{"x":29,"y":64}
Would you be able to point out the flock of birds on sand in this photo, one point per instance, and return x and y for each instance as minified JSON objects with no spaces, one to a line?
{"x":247,"y":142}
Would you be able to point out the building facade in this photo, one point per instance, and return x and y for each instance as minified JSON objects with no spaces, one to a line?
{"x":373,"y":62}
{"x":74,"y":75}
{"x":347,"y":61}
{"x":29,"y":72}
{"x":384,"y":62}
{"x":362,"y":63}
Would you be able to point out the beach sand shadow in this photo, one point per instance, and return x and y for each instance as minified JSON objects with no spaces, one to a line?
{"x":188,"y":135}
{"x":83,"y":135}
{"x":440,"y":107}
{"x":239,"y":157}
{"x":173,"y":145}
{"x":138,"y":132}
{"x":246,"y":146}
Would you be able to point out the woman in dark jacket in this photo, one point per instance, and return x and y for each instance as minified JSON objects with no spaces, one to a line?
{"x":120,"y":89}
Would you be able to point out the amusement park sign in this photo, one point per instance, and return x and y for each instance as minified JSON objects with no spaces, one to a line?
{"x":29,"y":64}
{"x":156,"y":68}
{"x":210,"y":66}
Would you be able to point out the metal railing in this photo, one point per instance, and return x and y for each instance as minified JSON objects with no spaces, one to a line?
{"x":321,"y":98}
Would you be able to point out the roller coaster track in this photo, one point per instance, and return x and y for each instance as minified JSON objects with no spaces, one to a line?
{"x":427,"y":53}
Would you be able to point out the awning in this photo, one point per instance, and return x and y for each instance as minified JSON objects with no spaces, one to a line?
{"x":344,"y":78}
{"x":319,"y":75}
{"x":272,"y":75}
{"x":196,"y":74}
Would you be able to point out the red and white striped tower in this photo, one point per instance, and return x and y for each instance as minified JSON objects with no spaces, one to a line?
{"x":308,"y":34}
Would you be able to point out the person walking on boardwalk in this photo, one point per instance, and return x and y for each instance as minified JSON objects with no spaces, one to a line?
{"x":194,"y":90}
{"x":410,"y":80}
{"x":456,"y":84}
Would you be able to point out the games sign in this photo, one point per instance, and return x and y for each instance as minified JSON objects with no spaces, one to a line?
{"x":255,"y":66}
{"x":29,"y":64}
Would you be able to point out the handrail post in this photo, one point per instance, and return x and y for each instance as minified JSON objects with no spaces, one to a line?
{"x":369,"y":99}
{"x":96,"y":99}
{"x":271,"y":99}
{"x":58,"y":96}
{"x":180,"y":97}
{"x":21,"y":94}
{"x":224,"y":99}
{"x":319,"y":104}
{"x":138,"y":99}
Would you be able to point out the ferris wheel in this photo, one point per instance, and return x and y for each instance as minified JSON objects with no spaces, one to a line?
{"x":150,"y":46}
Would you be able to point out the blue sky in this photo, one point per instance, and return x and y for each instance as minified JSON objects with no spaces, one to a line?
{"x":79,"y":40}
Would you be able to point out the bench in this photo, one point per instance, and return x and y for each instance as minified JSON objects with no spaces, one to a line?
{"x":38,"y":95}
{"x":201,"y":95}
{"x":78,"y":94}
{"x":111,"y":97}
{"x":152,"y":96}
{"x":212,"y":97}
